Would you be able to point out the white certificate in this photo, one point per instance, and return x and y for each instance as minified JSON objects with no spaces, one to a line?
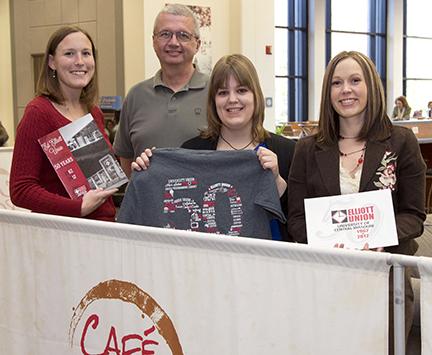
{"x":354,"y":219}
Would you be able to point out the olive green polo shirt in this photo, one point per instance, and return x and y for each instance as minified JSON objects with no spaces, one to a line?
{"x":155,"y":116}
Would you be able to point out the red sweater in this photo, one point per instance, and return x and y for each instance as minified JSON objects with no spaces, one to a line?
{"x":33,"y":181}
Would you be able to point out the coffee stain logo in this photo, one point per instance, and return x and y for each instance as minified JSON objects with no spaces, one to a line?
{"x":130,"y":293}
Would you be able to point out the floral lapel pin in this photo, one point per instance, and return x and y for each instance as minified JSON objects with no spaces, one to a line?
{"x":387,"y":171}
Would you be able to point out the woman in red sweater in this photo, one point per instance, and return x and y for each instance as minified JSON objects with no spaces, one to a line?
{"x":67,"y":90}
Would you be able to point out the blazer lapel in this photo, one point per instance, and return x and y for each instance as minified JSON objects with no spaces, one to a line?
{"x":373,"y":156}
{"x":328,"y":164}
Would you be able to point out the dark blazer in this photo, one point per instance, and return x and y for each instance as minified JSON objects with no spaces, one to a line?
{"x":281,"y":146}
{"x":315,"y":173}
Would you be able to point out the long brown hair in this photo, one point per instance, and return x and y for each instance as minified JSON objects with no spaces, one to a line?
{"x":404,"y":101}
{"x":48,"y":84}
{"x":242,"y":69}
{"x":377,"y":124}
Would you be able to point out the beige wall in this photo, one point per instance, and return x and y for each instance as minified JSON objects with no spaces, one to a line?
{"x":33,"y":21}
{"x":133,"y":42}
{"x":6,"y":97}
{"x":256,"y":18}
{"x":125,"y":52}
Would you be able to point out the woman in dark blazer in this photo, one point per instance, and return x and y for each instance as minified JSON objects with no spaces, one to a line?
{"x":358,"y":149}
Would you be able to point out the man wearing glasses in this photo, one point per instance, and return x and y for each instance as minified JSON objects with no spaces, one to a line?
{"x":169,"y":108}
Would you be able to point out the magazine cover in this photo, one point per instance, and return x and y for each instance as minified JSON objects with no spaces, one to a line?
{"x":82,"y":158}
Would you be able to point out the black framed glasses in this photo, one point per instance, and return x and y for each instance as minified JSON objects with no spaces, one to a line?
{"x":182,"y":36}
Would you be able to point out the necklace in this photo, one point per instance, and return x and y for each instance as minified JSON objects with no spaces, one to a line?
{"x":351,"y":153}
{"x":360,"y":160}
{"x":344,"y":137}
{"x":243,"y":148}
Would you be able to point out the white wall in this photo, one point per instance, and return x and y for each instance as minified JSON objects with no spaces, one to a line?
{"x":257,"y":31}
{"x":394,"y":52}
{"x":317,"y":60}
{"x":6,"y":89}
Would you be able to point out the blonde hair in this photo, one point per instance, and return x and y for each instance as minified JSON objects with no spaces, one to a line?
{"x":242,"y":69}
{"x":377,"y":124}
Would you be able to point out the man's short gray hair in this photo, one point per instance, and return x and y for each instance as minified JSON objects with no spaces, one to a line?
{"x":179,"y":10}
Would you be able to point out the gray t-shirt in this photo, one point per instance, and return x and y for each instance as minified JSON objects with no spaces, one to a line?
{"x":226,"y":192}
{"x":153,"y":115}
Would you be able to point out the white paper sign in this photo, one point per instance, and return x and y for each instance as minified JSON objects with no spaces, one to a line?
{"x":353,"y":220}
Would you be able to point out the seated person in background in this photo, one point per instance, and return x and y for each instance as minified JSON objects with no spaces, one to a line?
{"x":235,"y":116}
{"x":418,"y":114}
{"x":111,"y":129}
{"x":67,"y":90}
{"x":402,"y":111}
{"x":3,"y":135}
{"x":358,"y":149}
{"x":429,"y":111}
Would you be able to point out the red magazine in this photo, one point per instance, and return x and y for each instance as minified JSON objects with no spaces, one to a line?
{"x":82,"y":158}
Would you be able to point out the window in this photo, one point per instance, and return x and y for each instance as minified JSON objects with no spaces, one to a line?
{"x":291,"y":67}
{"x":417,"y":75}
{"x":365,"y":32}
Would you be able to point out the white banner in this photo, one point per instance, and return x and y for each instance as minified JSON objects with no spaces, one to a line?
{"x":70,"y":286}
{"x":5,"y":167}
{"x":425,"y":270}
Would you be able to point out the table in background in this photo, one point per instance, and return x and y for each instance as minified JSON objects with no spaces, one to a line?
{"x":422,"y":128}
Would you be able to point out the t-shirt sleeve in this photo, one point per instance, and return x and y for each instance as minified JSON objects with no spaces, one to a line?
{"x":267,"y":195}
{"x":130,"y":207}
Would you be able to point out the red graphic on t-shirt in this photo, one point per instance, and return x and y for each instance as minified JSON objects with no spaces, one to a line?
{"x":202,"y":219}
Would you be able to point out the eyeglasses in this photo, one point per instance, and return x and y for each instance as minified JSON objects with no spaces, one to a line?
{"x":181,"y":36}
